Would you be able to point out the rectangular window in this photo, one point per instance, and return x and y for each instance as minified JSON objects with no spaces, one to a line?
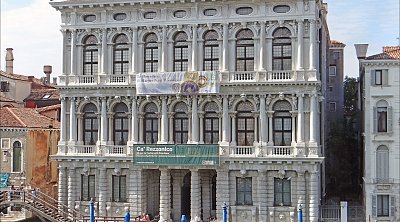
{"x":378,"y":77}
{"x":88,"y":187}
{"x":332,"y":70}
{"x":382,"y":119}
{"x":119,"y":188}
{"x":5,"y":86}
{"x":332,"y":106}
{"x":282,"y":194}
{"x":383,"y":206}
{"x":330,"y":88}
{"x":244,"y":194}
{"x":5,"y":143}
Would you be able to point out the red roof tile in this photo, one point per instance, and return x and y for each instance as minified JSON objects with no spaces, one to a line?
{"x":389,"y":53}
{"x":47,"y":108}
{"x":25,"y":118}
{"x":36,"y":83}
{"x":39,"y":94}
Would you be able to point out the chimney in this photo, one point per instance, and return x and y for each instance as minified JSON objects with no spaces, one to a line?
{"x":9,"y":61}
{"x":47,"y":69}
{"x":361,"y":50}
{"x":54,"y":80}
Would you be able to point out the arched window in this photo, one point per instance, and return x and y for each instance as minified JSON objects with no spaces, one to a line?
{"x":245,"y":124}
{"x":211,"y":51}
{"x":121,"y":55}
{"x":211,"y":123}
{"x":245,"y":50}
{"x":181,"y":52}
{"x":282,"y":124}
{"x":181,"y":123}
{"x":150,"y":123}
{"x":282,"y":49}
{"x":150,"y":53}
{"x":120,"y":124}
{"x":17,"y":157}
{"x":382,"y":163}
{"x":382,"y":116}
{"x":90,"y":124}
{"x":90,"y":56}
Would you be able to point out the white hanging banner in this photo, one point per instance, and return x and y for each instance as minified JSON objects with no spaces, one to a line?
{"x":186,"y":83}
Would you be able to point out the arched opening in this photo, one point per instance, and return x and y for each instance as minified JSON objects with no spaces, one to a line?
{"x":185,"y":197}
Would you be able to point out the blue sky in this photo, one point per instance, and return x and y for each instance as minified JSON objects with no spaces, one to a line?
{"x":32,"y":27}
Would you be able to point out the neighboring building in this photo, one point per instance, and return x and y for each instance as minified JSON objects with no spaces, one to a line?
{"x":175,"y":108}
{"x":27,"y":138}
{"x":25,"y":91}
{"x":380,"y":89}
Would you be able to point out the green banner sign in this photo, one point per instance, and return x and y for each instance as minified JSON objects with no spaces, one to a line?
{"x":184,"y":154}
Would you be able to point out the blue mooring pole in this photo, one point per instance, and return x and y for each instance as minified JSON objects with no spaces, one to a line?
{"x":127,"y":216}
{"x":300,"y":215}
{"x":224,"y":213}
{"x":183,"y":218}
{"x":91,"y":210}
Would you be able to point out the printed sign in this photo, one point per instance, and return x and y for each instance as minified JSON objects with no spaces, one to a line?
{"x":184,"y":154}
{"x":186,"y":83}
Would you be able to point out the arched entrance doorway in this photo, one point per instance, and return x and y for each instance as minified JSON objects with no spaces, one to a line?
{"x":185,"y":197}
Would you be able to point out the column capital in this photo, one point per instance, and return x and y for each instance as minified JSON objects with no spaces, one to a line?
{"x":299,"y":20}
{"x":270,"y":113}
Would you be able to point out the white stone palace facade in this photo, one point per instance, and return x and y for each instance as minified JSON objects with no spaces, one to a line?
{"x":264,"y":120}
{"x":380,"y":103}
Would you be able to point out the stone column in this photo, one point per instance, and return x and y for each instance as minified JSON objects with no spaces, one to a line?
{"x":301,"y":192}
{"x":63,"y":119}
{"x":64,"y":52}
{"x":134,"y":49}
{"x":262,"y":45}
{"x":110,"y":127}
{"x":225,"y":120}
{"x":195,"y":121}
{"x":164,"y":49}
{"x":201,"y":123}
{"x":135,"y":194}
{"x":72,"y":122}
{"x":62,"y":187}
{"x":171,"y":127}
{"x":300,"y":36}
{"x":195,"y":203}
{"x":141,"y":133}
{"x":80,"y":128}
{"x":165,"y":202}
{"x":73,"y":52}
{"x":255,"y":128}
{"x":164,"y":120}
{"x":233,"y":135}
{"x":134,"y":122}
{"x":313,"y":197}
{"x":103,"y":117}
{"x":194,"y":48}
{"x":270,"y":128}
{"x":263,"y":120}
{"x":293,"y":115}
{"x":313,"y":43}
{"x":71,"y":187}
{"x":313,"y":119}
{"x":103,"y":187}
{"x":269,"y":54}
{"x":300,"y":120}
{"x":222,"y":190}
{"x":262,"y":195}
{"x":225,"y":55}
{"x":103,"y":51}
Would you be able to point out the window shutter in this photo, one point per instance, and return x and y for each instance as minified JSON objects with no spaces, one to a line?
{"x":375,"y":118}
{"x":372,"y":77}
{"x":385,"y":77}
{"x":373,"y":198}
{"x":392,"y":206}
{"x":389,"y":119}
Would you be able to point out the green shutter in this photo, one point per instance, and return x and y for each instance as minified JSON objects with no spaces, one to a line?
{"x":372,"y":77}
{"x":389,"y":119}
{"x":385,"y":77}
{"x":373,"y":201}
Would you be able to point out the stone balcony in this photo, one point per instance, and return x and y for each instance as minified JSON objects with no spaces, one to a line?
{"x":236,"y":77}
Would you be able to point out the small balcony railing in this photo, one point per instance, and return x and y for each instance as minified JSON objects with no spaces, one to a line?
{"x":243,"y":151}
{"x":383,"y":180}
{"x":118,"y":79}
{"x":87,"y":79}
{"x":116,"y":150}
{"x":245,"y":76}
{"x":280,"y":151}
{"x":85,"y":149}
{"x":280,"y":75}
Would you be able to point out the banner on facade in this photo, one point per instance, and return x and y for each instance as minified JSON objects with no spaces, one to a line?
{"x":186,"y":83}
{"x":4,"y":179}
{"x":184,"y":154}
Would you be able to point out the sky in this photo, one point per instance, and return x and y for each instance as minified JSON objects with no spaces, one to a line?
{"x":31,"y":28}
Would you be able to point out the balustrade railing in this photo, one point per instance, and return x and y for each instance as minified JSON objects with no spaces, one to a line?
{"x":87,"y":79}
{"x":280,"y":75}
{"x":116,"y":150}
{"x":85,"y":149}
{"x":280,"y":150}
{"x":243,"y":76}
{"x":383,"y":180}
{"x":117,"y":78}
{"x":243,"y":151}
